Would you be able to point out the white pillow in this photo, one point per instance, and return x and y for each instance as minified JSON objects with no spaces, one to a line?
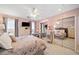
{"x":59,"y":31}
{"x":5,"y":41}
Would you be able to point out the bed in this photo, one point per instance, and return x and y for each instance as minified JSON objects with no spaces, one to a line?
{"x":61,"y":33}
{"x":25,"y":45}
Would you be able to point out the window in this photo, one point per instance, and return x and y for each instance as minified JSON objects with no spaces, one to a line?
{"x":10,"y":26}
{"x":33,"y":27}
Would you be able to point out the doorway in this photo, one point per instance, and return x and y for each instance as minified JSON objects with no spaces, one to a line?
{"x":43,"y":30}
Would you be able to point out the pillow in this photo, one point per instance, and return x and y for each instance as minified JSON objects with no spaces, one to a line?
{"x":13,"y":38}
{"x":59,"y":31}
{"x":5,"y":41}
{"x":62,"y":31}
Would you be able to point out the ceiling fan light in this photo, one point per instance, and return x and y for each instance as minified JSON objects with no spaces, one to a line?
{"x":59,"y":9}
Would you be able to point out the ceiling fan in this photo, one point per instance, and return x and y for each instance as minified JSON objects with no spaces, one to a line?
{"x":34,"y":15}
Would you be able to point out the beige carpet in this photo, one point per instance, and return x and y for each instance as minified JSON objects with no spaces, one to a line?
{"x":67,"y":42}
{"x":54,"y":49}
{"x":57,"y":50}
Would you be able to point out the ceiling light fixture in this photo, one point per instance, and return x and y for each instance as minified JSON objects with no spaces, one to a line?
{"x":35,"y":14}
{"x":59,"y":9}
{"x":35,"y":10}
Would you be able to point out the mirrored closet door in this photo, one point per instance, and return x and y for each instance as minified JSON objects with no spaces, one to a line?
{"x":77,"y":34}
{"x":64,"y":32}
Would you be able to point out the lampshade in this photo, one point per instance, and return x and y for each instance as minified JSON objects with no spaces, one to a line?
{"x":2,"y":26}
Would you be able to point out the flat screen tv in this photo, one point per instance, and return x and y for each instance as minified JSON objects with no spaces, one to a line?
{"x":46,"y":26}
{"x":25,"y":24}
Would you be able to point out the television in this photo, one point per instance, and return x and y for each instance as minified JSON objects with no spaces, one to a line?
{"x":25,"y":24}
{"x":46,"y":26}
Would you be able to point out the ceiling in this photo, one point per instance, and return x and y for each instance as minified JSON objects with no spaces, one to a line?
{"x":44,"y":10}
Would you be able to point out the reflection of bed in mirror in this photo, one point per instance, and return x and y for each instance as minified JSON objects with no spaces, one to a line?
{"x":61,"y":33}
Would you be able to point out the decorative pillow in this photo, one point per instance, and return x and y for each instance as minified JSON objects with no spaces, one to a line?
{"x":13,"y":38}
{"x":5,"y":41}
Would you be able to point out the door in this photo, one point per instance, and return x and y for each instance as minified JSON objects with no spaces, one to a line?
{"x":64,"y":33}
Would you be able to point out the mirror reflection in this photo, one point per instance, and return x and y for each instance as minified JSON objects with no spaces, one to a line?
{"x":64,"y":32}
